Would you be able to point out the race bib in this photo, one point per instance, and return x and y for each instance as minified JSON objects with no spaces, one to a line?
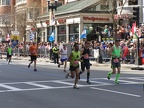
{"x":86,"y":56}
{"x":76,"y":62}
{"x":115,"y":60}
{"x":34,"y":51}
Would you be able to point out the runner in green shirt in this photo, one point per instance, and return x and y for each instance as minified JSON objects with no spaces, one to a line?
{"x":9,"y":51}
{"x":74,"y":59}
{"x":116,"y":54}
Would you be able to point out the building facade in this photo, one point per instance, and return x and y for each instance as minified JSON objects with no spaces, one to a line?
{"x":70,"y":19}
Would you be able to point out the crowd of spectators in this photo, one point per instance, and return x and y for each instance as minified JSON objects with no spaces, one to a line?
{"x":128,"y":44}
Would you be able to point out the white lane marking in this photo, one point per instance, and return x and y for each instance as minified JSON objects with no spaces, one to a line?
{"x":38,"y":85}
{"x":94,"y":81}
{"x":124,"y":93}
{"x":140,"y":79}
{"x":63,"y":87}
{"x":125,"y":81}
{"x":9,"y":87}
{"x":66,"y":83}
{"x":69,"y":80}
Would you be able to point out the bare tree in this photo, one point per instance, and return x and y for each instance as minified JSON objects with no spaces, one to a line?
{"x":28,"y":17}
{"x":113,"y":11}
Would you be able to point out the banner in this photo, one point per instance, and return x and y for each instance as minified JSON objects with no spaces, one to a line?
{"x":15,"y":38}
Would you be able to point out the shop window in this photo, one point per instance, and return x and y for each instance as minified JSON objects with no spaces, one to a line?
{"x":74,"y":28}
{"x":73,"y":37}
{"x":73,"y":32}
{"x":62,"y":33}
{"x":62,"y":29}
{"x":62,"y":38}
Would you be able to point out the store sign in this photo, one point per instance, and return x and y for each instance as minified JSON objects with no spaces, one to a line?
{"x":61,"y":21}
{"x":96,"y":18}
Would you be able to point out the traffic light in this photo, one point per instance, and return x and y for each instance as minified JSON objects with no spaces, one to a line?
{"x":136,"y":14}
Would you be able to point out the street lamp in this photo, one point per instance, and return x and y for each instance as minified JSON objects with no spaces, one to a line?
{"x":52,"y":7}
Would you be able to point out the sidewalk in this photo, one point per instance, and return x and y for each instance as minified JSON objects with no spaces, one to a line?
{"x":94,"y":63}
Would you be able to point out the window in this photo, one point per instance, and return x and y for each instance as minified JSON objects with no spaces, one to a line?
{"x":33,"y":13}
{"x":105,"y":6}
{"x":133,"y":2}
{"x":73,"y":32}
{"x":17,"y":1}
{"x":1,"y":20}
{"x":5,"y":2}
{"x":61,"y":33}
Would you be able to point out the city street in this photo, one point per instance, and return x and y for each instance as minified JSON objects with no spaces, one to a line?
{"x":21,"y":87}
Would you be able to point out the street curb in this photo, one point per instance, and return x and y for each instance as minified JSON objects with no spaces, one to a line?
{"x":109,"y":65}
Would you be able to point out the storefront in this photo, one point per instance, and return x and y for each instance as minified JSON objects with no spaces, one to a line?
{"x":72,"y":20}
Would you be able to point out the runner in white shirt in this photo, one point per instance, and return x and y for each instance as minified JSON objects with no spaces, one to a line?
{"x":64,"y":57}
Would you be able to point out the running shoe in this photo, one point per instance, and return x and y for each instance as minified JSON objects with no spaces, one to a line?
{"x":116,"y":82}
{"x":108,"y":77}
{"x":35,"y":69}
{"x":28,"y":66}
{"x":58,"y":65}
{"x":67,"y":75}
{"x":65,"y":71}
{"x":88,"y":82}
{"x":75,"y":87}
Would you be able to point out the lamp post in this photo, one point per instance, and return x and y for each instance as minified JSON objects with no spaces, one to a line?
{"x":52,"y":7}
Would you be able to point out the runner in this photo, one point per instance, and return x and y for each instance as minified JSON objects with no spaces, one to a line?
{"x":9,"y":53}
{"x":116,"y":54}
{"x":63,"y":53}
{"x":74,"y":64}
{"x":85,"y":63}
{"x":33,"y":51}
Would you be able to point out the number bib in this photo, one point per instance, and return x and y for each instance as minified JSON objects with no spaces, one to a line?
{"x":115,"y":60}
{"x":86,"y":56}
{"x":76,"y":62}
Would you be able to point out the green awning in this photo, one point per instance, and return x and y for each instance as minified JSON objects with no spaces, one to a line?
{"x":75,"y":6}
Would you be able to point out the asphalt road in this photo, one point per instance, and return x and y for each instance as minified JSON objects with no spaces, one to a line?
{"x":21,"y":87}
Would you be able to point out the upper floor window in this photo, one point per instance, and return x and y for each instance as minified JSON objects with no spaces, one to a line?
{"x":17,"y":1}
{"x":133,"y":2}
{"x":105,"y":6}
{"x":4,"y":2}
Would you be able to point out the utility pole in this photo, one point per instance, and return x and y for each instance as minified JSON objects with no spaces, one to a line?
{"x":114,"y":11}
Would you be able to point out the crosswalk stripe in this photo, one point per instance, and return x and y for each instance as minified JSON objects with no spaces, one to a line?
{"x":38,"y":85}
{"x":137,"y":79}
{"x":9,"y":87}
{"x":66,"y":83}
{"x":94,"y":81}
{"x":125,"y":81}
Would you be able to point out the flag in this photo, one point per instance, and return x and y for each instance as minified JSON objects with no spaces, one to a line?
{"x":51,"y":38}
{"x":32,"y":37}
{"x":52,"y":19}
{"x":136,"y":31}
{"x":134,"y":28}
{"x":8,"y":37}
{"x":83,"y":35}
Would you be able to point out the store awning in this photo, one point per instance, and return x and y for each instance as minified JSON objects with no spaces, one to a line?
{"x":76,"y":6}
